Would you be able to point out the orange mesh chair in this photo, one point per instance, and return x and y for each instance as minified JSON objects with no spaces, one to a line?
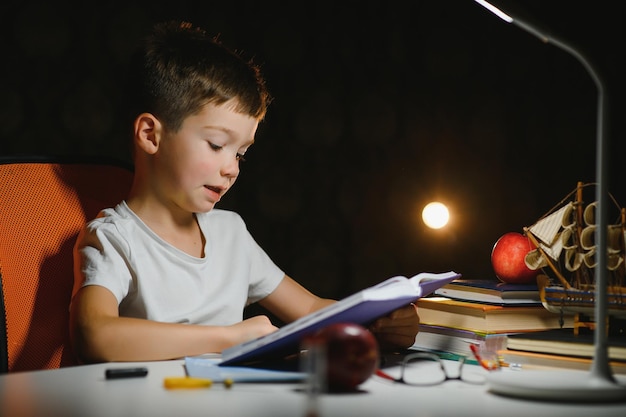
{"x":43,"y":204}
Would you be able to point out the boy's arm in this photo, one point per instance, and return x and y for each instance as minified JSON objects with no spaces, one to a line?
{"x":99,"y":334}
{"x":290,"y":301}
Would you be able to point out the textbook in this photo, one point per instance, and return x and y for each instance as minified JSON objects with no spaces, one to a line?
{"x":457,"y":341}
{"x":491,"y":291}
{"x":520,"y":359}
{"x":565,"y":342}
{"x":443,"y":311}
{"x":361,"y":308}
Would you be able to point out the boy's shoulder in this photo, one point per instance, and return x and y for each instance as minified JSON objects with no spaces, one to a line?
{"x":111,"y":220}
{"x":106,"y":215}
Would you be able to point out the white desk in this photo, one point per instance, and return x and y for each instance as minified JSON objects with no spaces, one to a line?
{"x":83,"y":392}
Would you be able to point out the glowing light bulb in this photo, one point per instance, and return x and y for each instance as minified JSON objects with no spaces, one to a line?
{"x":435,"y":215}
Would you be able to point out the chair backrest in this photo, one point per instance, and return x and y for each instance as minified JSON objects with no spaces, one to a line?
{"x":43,"y":204}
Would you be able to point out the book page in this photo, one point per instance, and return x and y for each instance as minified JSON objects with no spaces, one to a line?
{"x":427,"y":283}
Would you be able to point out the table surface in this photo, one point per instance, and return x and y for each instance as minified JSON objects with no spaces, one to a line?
{"x":83,"y":391}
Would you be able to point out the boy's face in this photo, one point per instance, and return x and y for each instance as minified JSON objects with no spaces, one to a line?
{"x":200,"y":162}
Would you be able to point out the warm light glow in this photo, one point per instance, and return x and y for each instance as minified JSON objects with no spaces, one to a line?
{"x":435,"y":215}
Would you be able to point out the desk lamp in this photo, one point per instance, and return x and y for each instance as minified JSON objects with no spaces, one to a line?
{"x":599,"y":384}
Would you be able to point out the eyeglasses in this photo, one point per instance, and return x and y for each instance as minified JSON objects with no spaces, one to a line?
{"x":424,"y":369}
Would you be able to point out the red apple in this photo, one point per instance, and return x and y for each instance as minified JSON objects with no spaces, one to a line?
{"x":351,"y":355}
{"x":507,"y":259}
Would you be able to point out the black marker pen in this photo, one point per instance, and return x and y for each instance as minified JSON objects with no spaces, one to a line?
{"x":125,"y":373}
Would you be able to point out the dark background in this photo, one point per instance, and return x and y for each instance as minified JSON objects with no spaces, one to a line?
{"x":380,"y":107}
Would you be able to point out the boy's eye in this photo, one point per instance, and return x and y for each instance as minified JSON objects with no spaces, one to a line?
{"x":239,"y":156}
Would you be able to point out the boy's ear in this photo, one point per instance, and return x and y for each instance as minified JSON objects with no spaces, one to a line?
{"x":147,"y":132}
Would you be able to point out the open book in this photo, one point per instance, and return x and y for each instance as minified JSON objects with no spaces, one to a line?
{"x":361,"y":308}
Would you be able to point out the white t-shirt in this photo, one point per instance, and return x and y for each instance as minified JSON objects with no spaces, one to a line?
{"x":152,"y":279}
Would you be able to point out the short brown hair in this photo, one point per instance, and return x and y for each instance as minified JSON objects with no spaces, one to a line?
{"x":179,"y":68}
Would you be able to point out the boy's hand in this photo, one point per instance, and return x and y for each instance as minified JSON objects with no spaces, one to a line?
{"x":398,"y":329}
{"x":252,"y":328}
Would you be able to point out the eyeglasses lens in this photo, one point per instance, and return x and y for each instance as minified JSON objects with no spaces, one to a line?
{"x":430,"y":370}
{"x":423,"y":371}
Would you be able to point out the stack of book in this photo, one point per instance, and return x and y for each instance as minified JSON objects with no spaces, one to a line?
{"x":509,"y":319}
{"x":481,"y":312}
{"x":563,"y":348}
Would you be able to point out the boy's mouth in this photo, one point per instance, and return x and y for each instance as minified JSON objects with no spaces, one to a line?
{"x":218,"y":190}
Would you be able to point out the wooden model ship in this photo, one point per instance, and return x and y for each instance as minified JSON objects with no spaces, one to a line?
{"x":566,"y":253}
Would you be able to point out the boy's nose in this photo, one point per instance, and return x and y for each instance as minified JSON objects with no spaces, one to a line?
{"x":230,"y":167}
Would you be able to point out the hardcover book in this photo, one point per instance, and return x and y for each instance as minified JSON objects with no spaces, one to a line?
{"x":443,"y":311}
{"x":520,"y":359}
{"x":361,"y":308}
{"x":457,"y":341}
{"x":491,"y":291}
{"x":565,"y":342}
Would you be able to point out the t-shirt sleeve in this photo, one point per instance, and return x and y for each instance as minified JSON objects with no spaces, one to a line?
{"x":100,"y":256}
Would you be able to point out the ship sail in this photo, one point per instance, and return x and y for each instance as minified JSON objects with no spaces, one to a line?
{"x":565,"y":241}
{"x":549,"y":233}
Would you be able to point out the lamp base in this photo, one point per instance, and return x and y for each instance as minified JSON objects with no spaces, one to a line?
{"x":557,"y":385}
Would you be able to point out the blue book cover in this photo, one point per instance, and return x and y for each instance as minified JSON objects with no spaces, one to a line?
{"x":491,"y":291}
{"x":361,"y":308}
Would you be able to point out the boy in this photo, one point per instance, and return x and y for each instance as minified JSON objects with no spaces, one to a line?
{"x":163,"y":274}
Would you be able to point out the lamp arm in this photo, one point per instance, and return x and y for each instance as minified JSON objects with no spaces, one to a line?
{"x":600,"y":367}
